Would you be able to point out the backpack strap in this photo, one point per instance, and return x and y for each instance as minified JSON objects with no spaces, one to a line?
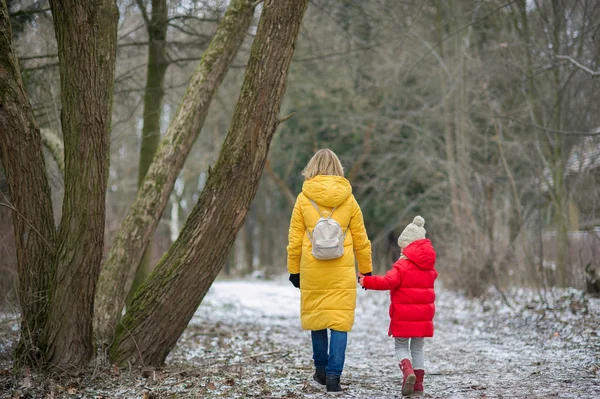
{"x":320,"y":214}
{"x":316,"y":207}
{"x":319,"y":210}
{"x":330,"y":214}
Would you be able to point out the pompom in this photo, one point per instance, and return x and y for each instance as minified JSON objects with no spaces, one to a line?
{"x":419,"y":221}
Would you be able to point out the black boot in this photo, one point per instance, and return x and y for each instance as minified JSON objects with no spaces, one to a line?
{"x":319,"y":376}
{"x":333,"y":383}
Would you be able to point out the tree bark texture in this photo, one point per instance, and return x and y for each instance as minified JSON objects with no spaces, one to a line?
{"x":86,"y":34}
{"x":135,"y":231}
{"x":25,"y":168}
{"x":155,"y":76}
{"x":166,"y":302}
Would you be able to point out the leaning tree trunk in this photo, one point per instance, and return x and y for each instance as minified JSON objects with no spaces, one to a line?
{"x":155,"y":76}
{"x":86,"y":34}
{"x":166,"y":302}
{"x":142,"y":218}
{"x":33,"y":223}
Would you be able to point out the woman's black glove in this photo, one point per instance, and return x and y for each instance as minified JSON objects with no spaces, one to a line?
{"x":295,"y":280}
{"x":366,"y":274}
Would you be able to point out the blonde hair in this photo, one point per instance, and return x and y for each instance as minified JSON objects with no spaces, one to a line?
{"x":324,"y":162}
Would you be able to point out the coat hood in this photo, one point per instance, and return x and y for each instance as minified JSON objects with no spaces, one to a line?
{"x":326,"y":190}
{"x":421,"y":253}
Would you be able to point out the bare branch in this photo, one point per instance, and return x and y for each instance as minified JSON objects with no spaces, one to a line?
{"x":29,"y":12}
{"x":285,"y":118}
{"x":177,"y":61}
{"x":578,"y":65}
{"x":142,"y":8}
{"x":186,"y":17}
{"x":41,"y":67}
{"x":498,"y":139}
{"x":37,"y":57}
{"x":189,"y":32}
{"x":382,"y":234}
{"x":286,"y":191}
{"x":363,"y":156}
{"x":595,"y":132}
{"x":457,"y":31}
{"x":176,"y":43}
{"x":8,"y":205}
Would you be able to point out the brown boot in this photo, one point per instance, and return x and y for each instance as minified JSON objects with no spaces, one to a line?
{"x":408,"y":377}
{"x":419,"y":383}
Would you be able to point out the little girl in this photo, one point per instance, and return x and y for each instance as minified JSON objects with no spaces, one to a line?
{"x":410,"y":282}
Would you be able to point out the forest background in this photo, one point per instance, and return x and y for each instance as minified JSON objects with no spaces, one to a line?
{"x":481,"y":116}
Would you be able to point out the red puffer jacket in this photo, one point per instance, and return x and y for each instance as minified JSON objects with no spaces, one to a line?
{"x":413,"y":297}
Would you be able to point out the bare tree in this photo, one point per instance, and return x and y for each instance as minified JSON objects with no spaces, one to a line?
{"x":157,"y":25}
{"x":142,"y":218}
{"x":169,"y":298}
{"x":86,"y":36}
{"x":24,"y":165}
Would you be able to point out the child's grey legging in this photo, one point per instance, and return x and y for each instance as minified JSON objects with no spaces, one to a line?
{"x":416,"y":349}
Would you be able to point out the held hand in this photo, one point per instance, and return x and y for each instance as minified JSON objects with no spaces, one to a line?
{"x":361,"y":279}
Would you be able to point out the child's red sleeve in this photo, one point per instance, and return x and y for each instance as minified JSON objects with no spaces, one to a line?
{"x":391,"y":280}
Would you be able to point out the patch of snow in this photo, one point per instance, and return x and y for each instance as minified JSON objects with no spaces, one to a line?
{"x":535,"y":348}
{"x":265,"y":302}
{"x":245,"y":341}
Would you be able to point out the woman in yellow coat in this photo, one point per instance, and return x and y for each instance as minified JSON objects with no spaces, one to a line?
{"x":327,"y":287}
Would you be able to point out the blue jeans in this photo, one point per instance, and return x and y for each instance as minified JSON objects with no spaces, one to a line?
{"x":334,"y":362}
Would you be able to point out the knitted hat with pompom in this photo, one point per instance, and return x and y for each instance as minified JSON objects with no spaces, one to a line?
{"x":413,"y":232}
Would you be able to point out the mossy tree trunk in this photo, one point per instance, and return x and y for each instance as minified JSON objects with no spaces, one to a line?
{"x":166,"y":302}
{"x":135,"y":231}
{"x":86,"y":34}
{"x":33,"y":223}
{"x":155,"y":76}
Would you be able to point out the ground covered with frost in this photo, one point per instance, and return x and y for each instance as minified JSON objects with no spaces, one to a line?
{"x":245,"y":341}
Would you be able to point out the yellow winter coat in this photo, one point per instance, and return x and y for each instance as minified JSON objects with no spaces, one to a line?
{"x":328,"y":287}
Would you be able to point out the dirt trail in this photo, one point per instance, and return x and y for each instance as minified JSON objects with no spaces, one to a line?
{"x":480,"y":350}
{"x":245,"y":341}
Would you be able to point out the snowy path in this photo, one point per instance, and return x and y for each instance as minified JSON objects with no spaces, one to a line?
{"x":247,"y":335}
